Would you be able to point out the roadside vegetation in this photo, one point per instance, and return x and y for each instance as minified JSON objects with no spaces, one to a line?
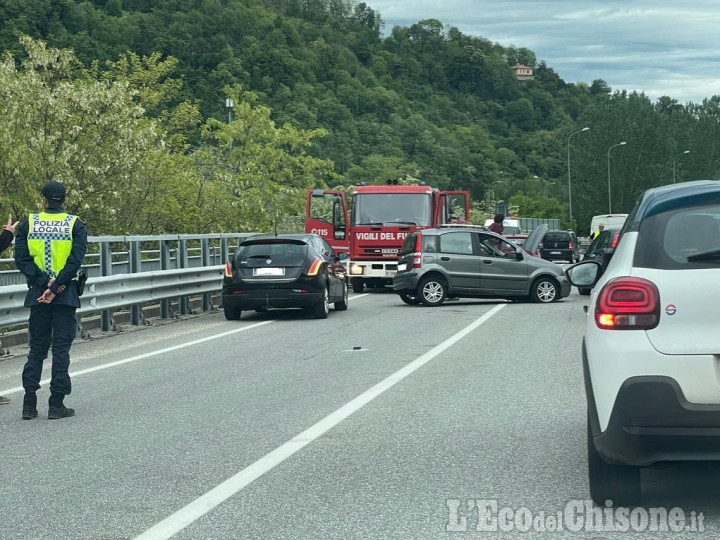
{"x":124,"y":101}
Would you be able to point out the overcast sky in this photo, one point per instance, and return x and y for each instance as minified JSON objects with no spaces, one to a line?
{"x":662,"y":47}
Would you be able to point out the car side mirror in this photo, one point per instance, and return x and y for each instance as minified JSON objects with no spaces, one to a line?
{"x":584,"y":274}
{"x":582,"y":251}
{"x":342,"y":256}
{"x":519,"y":255}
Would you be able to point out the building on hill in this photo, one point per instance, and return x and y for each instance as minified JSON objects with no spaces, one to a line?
{"x":522,"y":73}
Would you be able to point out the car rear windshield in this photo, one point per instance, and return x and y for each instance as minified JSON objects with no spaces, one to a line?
{"x":429,"y":241}
{"x":684,"y":238}
{"x":277,"y":251}
{"x":556,"y":237}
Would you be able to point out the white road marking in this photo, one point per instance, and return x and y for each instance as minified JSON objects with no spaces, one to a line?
{"x":147,"y":355}
{"x":162,"y":351}
{"x":176,"y":522}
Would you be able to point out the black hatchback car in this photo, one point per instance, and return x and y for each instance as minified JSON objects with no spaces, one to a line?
{"x":560,"y":245}
{"x":284,"y":271}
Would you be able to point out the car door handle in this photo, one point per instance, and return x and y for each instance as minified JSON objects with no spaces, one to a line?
{"x":444,"y":258}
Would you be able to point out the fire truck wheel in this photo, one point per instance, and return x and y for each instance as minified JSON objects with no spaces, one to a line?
{"x":343,"y":304}
{"x":409,"y":299}
{"x":357,"y":285}
{"x":433,"y":291}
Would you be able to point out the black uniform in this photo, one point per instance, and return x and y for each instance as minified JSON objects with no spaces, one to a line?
{"x":52,"y":324}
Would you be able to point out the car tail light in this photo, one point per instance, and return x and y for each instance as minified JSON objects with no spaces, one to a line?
{"x":615,"y":239}
{"x":570,"y":245}
{"x":417,"y":256}
{"x":628,"y":303}
{"x":228,"y":269}
{"x":314,"y":267}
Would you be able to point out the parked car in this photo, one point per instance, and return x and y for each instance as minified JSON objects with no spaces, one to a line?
{"x":560,"y":245}
{"x":603,"y":246}
{"x":442,"y":263}
{"x":650,"y":348}
{"x":285,"y":271}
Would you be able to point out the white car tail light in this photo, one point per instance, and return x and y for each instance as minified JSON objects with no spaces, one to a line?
{"x":628,"y":303}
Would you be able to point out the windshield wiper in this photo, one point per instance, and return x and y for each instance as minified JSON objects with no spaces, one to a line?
{"x":259,"y":257}
{"x":404,"y":222}
{"x":705,"y":256}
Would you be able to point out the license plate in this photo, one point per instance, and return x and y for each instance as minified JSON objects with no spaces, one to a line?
{"x":402,"y":267}
{"x":554,"y":253}
{"x":268,"y":271}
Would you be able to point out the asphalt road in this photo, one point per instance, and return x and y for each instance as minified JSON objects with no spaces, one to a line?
{"x":385,"y":421}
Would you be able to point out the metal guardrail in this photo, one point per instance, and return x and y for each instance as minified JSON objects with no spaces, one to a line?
{"x":110,"y":292}
{"x":129,"y":271}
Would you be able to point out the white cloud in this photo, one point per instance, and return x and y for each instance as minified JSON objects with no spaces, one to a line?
{"x":662,"y":47}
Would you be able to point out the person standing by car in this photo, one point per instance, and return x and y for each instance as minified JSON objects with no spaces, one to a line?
{"x":49,"y":249}
{"x":497,"y":225}
{"x":6,"y":238}
{"x":594,"y":235}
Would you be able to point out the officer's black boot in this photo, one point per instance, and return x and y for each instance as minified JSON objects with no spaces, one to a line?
{"x":29,"y":406}
{"x":57,"y":409}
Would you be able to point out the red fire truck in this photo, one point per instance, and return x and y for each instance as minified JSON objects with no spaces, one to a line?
{"x":381,"y":217}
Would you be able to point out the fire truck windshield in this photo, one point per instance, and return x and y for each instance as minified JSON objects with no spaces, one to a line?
{"x":389,"y":208}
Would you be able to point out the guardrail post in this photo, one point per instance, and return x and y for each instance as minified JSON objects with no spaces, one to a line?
{"x":165,"y":305}
{"x":182,"y":262}
{"x":205,"y":258}
{"x":107,"y":322}
{"x":136,"y":314}
{"x":224,"y":255}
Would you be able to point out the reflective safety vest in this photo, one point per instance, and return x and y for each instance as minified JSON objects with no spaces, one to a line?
{"x":50,"y":240}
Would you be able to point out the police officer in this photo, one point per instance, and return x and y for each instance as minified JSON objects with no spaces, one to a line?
{"x":49,"y":249}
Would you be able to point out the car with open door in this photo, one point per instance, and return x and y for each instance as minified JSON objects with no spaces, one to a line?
{"x":460,"y":262}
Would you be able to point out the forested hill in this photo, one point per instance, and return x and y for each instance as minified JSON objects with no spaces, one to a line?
{"x":424,"y":102}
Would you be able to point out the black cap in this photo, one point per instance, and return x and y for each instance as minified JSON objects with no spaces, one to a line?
{"x":54,"y":191}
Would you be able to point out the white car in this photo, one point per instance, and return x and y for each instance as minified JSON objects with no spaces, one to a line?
{"x":651,"y":349}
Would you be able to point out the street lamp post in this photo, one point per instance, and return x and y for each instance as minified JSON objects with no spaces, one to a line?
{"x":609,"y":191}
{"x":568,"y":165}
{"x":680,"y":154}
{"x":229,"y":104}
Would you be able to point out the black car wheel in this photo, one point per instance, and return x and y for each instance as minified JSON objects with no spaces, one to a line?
{"x":343,"y":304}
{"x":231,"y":313}
{"x":409,"y":299}
{"x":433,"y":291}
{"x":619,"y":483}
{"x":322,"y":308}
{"x":357,"y":285}
{"x":544,"y":290}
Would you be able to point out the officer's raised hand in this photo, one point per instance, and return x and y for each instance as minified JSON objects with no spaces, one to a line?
{"x":10,"y":226}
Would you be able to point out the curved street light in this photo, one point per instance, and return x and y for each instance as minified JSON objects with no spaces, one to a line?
{"x":609,"y":193}
{"x":680,"y":154}
{"x":568,"y":165}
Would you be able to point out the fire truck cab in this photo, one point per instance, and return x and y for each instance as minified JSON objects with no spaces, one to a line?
{"x":380,"y":218}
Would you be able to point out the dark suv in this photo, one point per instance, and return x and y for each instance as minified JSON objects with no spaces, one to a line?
{"x":436,"y":264}
{"x":560,"y":245}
